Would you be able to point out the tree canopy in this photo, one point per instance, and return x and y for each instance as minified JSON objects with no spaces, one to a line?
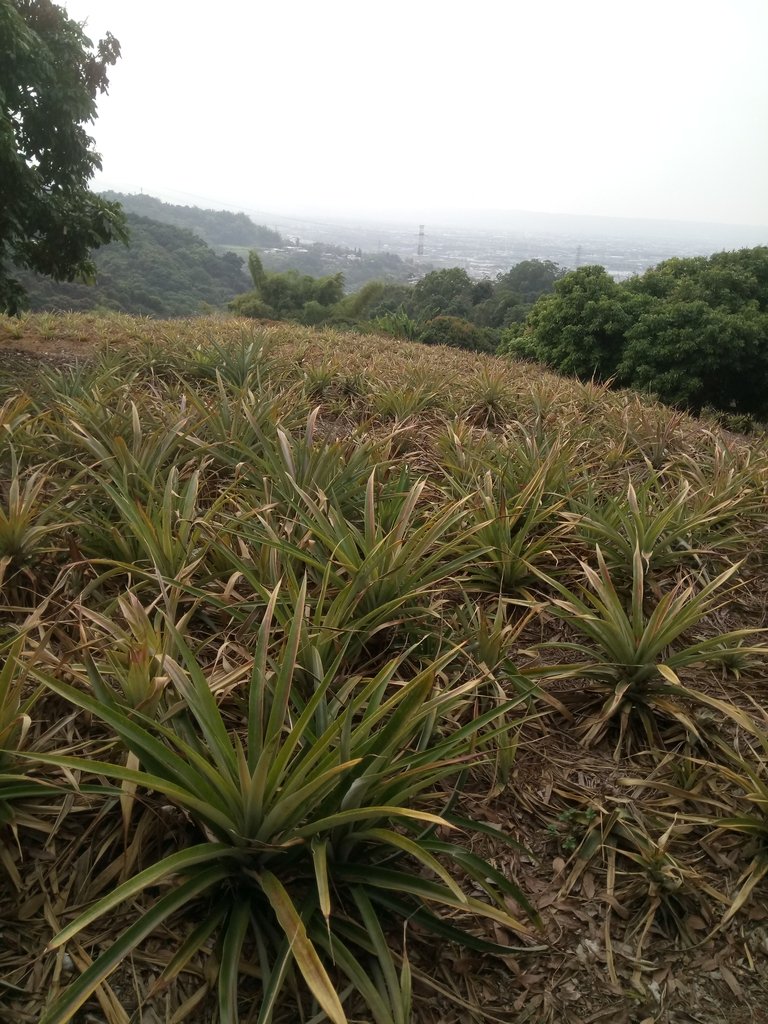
{"x":50,"y":75}
{"x":288,"y":295}
{"x":443,"y":292}
{"x":581,"y":327}
{"x":692,"y":331}
{"x":445,"y":307}
{"x":216,"y":227}
{"x":492,"y":303}
{"x":163,"y":271}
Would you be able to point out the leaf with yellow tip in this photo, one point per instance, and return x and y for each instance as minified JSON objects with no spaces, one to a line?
{"x":304,"y":952}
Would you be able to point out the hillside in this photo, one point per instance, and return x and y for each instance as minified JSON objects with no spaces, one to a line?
{"x":398,"y":681}
{"x":236,"y":232}
{"x":216,"y":227}
{"x":163,"y":271}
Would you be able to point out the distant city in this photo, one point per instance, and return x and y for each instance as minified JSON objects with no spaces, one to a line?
{"x":496,"y":242}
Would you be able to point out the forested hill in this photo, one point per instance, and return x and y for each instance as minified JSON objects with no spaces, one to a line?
{"x":216,"y":227}
{"x":224,"y":230}
{"x":164,"y":271}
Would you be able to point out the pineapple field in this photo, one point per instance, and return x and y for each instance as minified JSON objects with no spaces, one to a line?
{"x":354,"y":680}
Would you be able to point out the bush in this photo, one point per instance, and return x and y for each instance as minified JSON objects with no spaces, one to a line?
{"x":252,"y":305}
{"x":457,"y":333}
{"x":288,"y":295}
{"x":691,"y":331}
{"x":398,"y":324}
{"x":691,"y":354}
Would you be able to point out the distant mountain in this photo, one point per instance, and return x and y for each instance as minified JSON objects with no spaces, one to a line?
{"x":164,"y":271}
{"x":216,"y":227}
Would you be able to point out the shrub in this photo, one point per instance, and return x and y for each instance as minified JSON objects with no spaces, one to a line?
{"x":690,"y":331}
{"x":456,"y":333}
{"x":252,"y":305}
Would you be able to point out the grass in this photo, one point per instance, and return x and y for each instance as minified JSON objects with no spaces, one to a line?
{"x":319,"y":651}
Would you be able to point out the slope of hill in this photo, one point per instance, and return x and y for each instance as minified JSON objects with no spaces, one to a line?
{"x":417,"y":683}
{"x":238,"y":233}
{"x":216,"y":227}
{"x":163,"y":271}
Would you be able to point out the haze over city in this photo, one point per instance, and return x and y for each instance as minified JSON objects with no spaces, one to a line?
{"x":415,"y":112}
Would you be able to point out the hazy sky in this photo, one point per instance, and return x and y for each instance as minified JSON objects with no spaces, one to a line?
{"x":636,"y":108}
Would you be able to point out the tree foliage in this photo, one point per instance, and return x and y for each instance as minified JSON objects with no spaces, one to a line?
{"x":490,"y":303}
{"x":451,"y":292}
{"x":321,"y":259}
{"x":581,"y":327}
{"x":692,"y":331}
{"x":530,"y":279}
{"x":445,"y":307}
{"x":456,"y":332}
{"x":50,"y":76}
{"x":164,"y":271}
{"x":288,"y":295}
{"x":443,"y":293}
{"x":216,"y":227}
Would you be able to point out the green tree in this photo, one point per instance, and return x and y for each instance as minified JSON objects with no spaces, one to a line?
{"x":390,"y":299}
{"x":358,"y":304}
{"x":457,"y":333}
{"x":443,"y":293}
{"x":692,"y":331}
{"x":703,"y":336}
{"x":50,"y":76}
{"x":328,"y":290}
{"x":691,"y":354}
{"x":289,"y":295}
{"x":216,"y":227}
{"x":283,"y":292}
{"x":165,"y":271}
{"x":728,"y":280}
{"x":256,"y":268}
{"x":581,"y":328}
{"x":530,"y":279}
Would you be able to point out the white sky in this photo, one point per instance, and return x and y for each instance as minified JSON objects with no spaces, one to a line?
{"x":635,"y":108}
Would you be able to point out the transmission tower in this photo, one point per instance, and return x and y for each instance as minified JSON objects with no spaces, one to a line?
{"x":420,"y":249}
